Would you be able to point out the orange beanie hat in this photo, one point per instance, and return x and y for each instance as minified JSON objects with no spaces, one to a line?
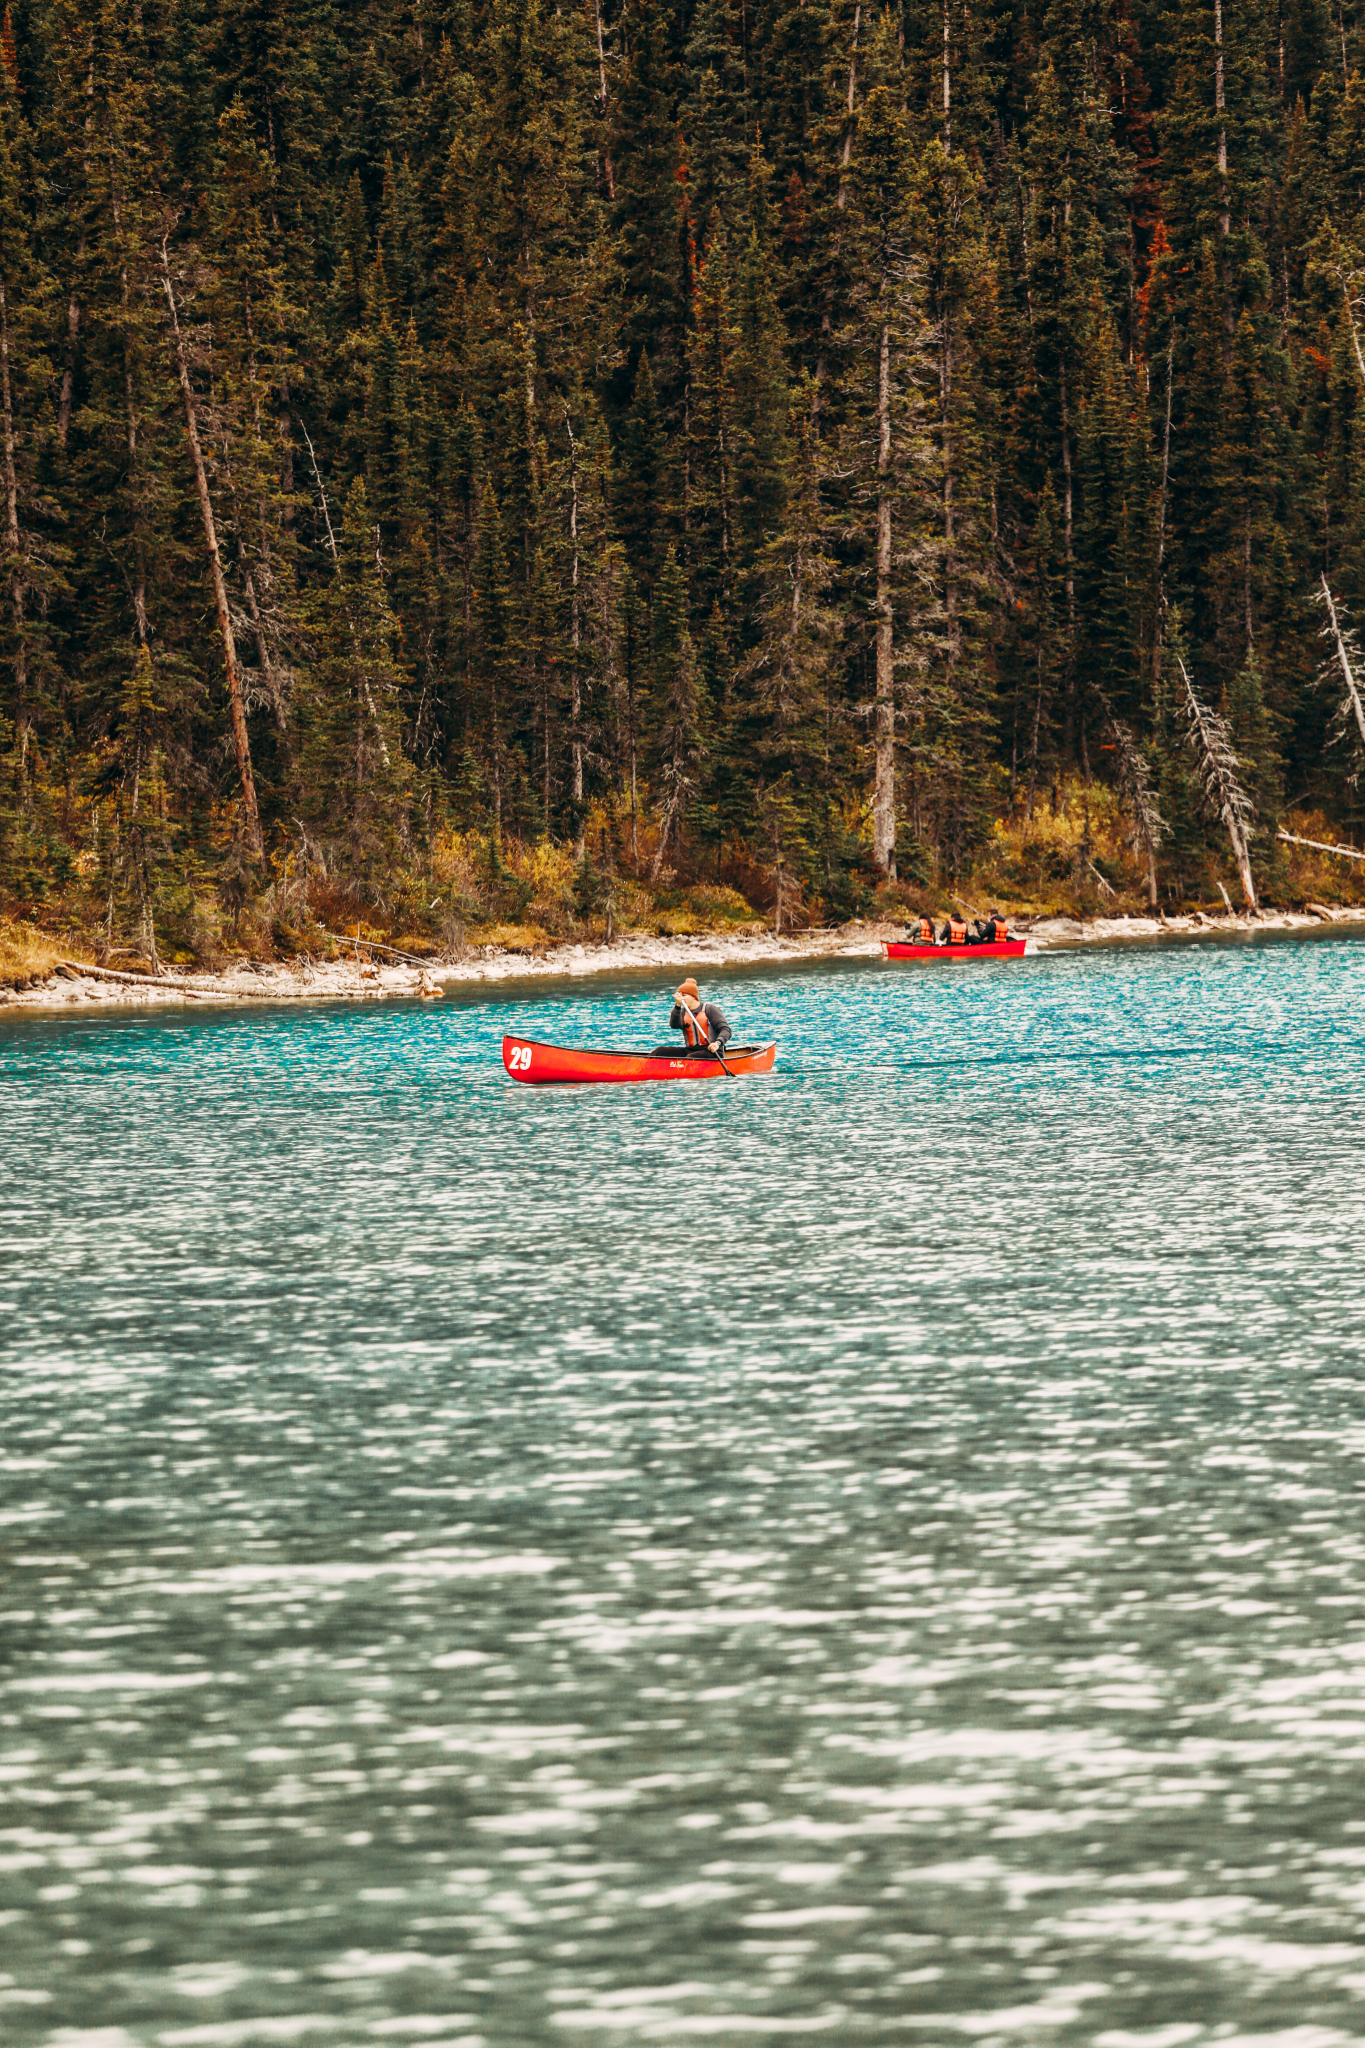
{"x":688,"y":988}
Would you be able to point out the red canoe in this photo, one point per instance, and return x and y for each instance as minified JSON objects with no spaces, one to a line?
{"x":526,"y":1059}
{"x":1007,"y":949}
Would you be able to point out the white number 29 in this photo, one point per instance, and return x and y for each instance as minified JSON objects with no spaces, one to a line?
{"x":520,"y":1060}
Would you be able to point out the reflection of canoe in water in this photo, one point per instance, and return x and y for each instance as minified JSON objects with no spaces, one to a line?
{"x":527,"y":1060}
{"x":906,"y":949}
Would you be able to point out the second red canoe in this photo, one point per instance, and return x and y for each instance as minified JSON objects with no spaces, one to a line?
{"x":906,"y":949}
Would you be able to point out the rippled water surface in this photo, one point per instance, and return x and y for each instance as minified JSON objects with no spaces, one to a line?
{"x":876,"y":1552}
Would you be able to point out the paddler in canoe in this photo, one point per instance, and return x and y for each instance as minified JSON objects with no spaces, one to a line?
{"x":987,"y":931}
{"x":702,"y":1025}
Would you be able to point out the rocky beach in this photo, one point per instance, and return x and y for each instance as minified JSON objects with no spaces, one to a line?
{"x":365,"y":975}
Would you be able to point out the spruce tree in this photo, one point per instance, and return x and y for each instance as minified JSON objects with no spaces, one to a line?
{"x":885,"y":347}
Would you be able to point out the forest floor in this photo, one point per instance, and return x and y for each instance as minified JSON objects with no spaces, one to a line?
{"x":68,"y":982}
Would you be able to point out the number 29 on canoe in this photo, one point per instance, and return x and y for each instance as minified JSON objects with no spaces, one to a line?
{"x":519,"y":1059}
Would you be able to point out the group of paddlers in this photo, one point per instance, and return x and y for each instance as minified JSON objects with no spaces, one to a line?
{"x":983,"y":931}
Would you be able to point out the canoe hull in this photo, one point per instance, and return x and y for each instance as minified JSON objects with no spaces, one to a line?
{"x":1007,"y":949}
{"x":526,"y":1059}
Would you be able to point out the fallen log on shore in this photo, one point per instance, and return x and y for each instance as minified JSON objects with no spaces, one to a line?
{"x":272,"y":993}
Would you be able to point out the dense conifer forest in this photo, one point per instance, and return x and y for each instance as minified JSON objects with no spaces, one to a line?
{"x":775,"y":446}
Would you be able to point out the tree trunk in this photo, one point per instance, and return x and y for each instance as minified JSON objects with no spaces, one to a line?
{"x":361,"y":671}
{"x":847,"y":150}
{"x":1242,"y":855}
{"x":949,"y":494}
{"x":1344,"y":659}
{"x":1224,"y":221}
{"x":17,"y":584}
{"x":1066,"y":503}
{"x":264,"y":665}
{"x":575,"y":675}
{"x":130,"y":410}
{"x":1346,"y":280}
{"x":1220,"y":773}
{"x":947,"y":84}
{"x":884,"y":786}
{"x":1073,"y":714}
{"x":236,"y":707}
{"x":73,"y":309}
{"x":603,"y":102}
{"x":1159,"y":603}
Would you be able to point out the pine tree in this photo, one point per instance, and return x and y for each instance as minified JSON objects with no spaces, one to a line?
{"x":952,"y":731}
{"x":653,"y":229}
{"x":762,"y":448}
{"x":711,"y":448}
{"x":494,"y":649}
{"x":356,"y":779}
{"x":138,"y":838}
{"x":642,"y":496}
{"x":885,"y":348}
{"x":26,"y":653}
{"x":676,"y":708}
{"x":714,"y":121}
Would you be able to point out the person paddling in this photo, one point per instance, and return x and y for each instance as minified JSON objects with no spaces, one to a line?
{"x":954,"y":932}
{"x":703,"y":1025}
{"x":921,"y":934}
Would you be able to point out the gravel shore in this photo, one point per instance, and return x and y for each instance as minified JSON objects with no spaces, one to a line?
{"x":350,"y":981}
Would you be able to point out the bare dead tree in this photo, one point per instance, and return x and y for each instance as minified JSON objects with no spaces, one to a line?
{"x":1346,"y":657}
{"x":362,"y":670}
{"x":236,"y":706}
{"x":1343,"y":264}
{"x":1210,"y":736}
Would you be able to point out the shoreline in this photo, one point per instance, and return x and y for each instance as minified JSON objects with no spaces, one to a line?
{"x":343,"y":981}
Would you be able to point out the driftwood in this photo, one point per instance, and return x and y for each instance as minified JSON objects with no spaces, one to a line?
{"x":82,"y":967}
{"x":271,"y":994}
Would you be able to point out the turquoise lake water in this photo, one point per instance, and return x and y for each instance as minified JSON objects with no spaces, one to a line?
{"x":875,"y":1552}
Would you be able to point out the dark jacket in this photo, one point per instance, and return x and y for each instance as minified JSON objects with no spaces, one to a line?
{"x":715,"y":1022}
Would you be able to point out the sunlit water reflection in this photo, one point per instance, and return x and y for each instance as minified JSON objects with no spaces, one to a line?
{"x":875,"y":1552}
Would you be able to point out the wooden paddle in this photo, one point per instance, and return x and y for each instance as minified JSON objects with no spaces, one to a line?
{"x":716,"y":1053}
{"x":714,"y":1050}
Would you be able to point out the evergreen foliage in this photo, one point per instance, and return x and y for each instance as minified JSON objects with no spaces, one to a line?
{"x":773,"y":437}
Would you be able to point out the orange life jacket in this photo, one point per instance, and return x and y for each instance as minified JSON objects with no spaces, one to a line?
{"x":957,"y":931}
{"x":926,"y":932}
{"x":1002,"y":931}
{"x":696,"y":1030}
